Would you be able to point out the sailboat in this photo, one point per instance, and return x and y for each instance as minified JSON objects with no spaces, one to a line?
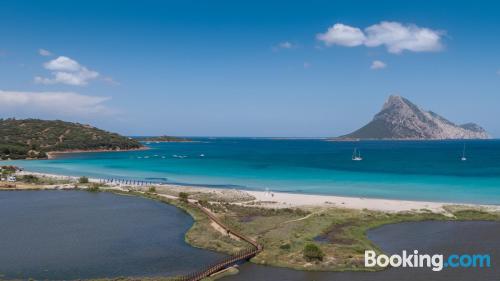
{"x":356,"y":155}
{"x":463,"y":154}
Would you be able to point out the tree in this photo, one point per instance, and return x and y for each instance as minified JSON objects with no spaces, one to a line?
{"x":313,"y":252}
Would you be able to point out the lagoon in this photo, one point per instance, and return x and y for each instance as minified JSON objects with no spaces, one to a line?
{"x":61,"y":235}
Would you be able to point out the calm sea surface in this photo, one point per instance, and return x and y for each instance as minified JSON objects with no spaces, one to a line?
{"x":423,"y":170}
{"x":67,"y":235}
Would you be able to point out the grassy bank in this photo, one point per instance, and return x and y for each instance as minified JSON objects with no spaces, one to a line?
{"x":340,"y":234}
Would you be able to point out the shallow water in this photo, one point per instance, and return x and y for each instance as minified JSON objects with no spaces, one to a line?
{"x":412,"y":170}
{"x":76,"y":234}
{"x":427,"y":237}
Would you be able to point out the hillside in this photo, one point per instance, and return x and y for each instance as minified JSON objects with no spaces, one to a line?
{"x":400,"y":119}
{"x":33,"y":138}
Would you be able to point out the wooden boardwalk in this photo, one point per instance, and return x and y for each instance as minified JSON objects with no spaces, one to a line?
{"x":241,"y":256}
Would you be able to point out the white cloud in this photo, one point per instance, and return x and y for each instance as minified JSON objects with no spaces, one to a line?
{"x":53,"y":103}
{"x":343,"y":35}
{"x":376,"y":64}
{"x":62,"y":63}
{"x":67,"y":71}
{"x":396,"y":37}
{"x":44,"y":52}
{"x":286,"y":45}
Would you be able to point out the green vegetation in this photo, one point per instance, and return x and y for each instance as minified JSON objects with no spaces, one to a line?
{"x":338,"y":233}
{"x":7,"y":170}
{"x":42,"y":180}
{"x":163,"y":139}
{"x":33,"y":138}
{"x":152,"y":189}
{"x":29,"y":179}
{"x":183,"y":196}
{"x":93,"y":187}
{"x":313,"y":252}
{"x":83,"y":180}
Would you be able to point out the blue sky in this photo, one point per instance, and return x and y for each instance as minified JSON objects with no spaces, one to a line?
{"x":247,"y":68}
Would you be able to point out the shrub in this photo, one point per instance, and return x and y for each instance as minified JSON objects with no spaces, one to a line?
{"x":184,"y":196}
{"x":30,"y":179}
{"x":285,"y":246}
{"x":313,"y":252}
{"x":83,"y":180}
{"x":152,"y":189}
{"x":93,"y":187}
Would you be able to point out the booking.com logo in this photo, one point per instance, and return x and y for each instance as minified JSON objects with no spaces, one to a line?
{"x":436,"y":262}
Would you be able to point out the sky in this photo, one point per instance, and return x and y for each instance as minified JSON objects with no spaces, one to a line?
{"x":247,"y":68}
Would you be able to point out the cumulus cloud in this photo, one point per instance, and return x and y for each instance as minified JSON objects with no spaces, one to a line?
{"x":395,"y":36}
{"x":53,"y":103}
{"x":45,"y":53}
{"x":67,"y":71}
{"x":376,"y":64}
{"x":343,"y":35}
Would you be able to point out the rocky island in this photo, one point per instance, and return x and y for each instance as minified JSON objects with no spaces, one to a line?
{"x":163,"y":138}
{"x":35,"y":138}
{"x":400,"y":119}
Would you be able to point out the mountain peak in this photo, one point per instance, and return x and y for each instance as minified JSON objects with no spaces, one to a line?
{"x":402,"y":119}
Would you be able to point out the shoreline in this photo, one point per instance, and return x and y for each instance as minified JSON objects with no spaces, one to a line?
{"x":53,"y":154}
{"x":294,"y":200}
{"x":294,"y":224}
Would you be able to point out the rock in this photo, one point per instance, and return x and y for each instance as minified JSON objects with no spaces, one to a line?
{"x":400,"y":119}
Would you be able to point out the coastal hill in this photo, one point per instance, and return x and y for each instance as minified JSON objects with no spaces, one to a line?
{"x":400,"y":119}
{"x":33,"y":138}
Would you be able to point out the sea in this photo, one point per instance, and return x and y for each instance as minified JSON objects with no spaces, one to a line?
{"x":409,"y":170}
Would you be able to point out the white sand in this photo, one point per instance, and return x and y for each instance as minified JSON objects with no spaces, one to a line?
{"x":295,"y":200}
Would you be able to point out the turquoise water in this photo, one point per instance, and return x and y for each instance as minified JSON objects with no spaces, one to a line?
{"x":390,"y":169}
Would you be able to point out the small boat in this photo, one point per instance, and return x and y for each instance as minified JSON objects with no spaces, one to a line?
{"x":463,"y":155}
{"x":356,"y":155}
{"x":202,"y":155}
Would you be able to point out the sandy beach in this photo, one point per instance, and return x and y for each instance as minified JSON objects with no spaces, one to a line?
{"x":271,"y":199}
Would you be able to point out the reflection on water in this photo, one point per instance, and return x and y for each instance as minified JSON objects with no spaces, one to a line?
{"x":76,"y":234}
{"x":429,"y":237}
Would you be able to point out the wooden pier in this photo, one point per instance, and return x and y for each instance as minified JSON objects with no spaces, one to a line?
{"x":239,"y":257}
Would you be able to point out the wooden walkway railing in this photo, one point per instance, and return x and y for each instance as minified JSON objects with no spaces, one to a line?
{"x":241,"y":256}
